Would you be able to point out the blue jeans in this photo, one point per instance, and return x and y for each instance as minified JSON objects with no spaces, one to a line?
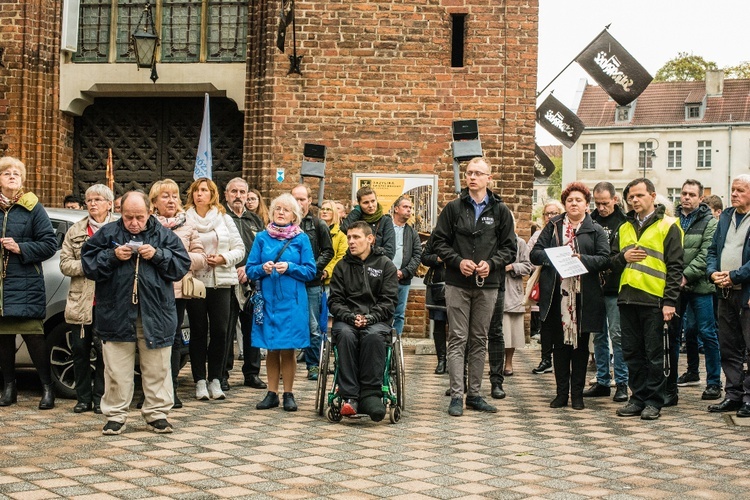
{"x":312,"y":353}
{"x":611,"y":330}
{"x":701,"y":324}
{"x":398,"y":314}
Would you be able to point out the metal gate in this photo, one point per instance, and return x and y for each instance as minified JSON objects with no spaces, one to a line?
{"x":153,"y":139}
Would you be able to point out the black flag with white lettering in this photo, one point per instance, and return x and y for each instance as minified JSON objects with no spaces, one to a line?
{"x":285,"y":19}
{"x":614,"y":69}
{"x":543,"y":166}
{"x":559,"y":121}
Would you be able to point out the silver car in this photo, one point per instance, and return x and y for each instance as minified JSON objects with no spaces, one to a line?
{"x":57,"y":331}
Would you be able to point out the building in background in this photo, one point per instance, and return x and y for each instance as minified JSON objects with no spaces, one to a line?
{"x":672,"y":132}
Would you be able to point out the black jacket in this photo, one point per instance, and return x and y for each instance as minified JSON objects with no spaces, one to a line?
{"x":368,"y":287}
{"x":411,"y":254}
{"x":115,"y":313}
{"x":385,"y":237}
{"x":673,"y":256}
{"x":434,"y":279}
{"x":22,"y":292}
{"x":611,"y":224}
{"x":491,"y":239}
{"x":320,"y":241}
{"x":247,"y":224}
{"x":592,"y":244}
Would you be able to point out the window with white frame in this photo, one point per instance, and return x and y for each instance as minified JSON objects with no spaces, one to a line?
{"x":589,"y":156}
{"x":674,"y":154}
{"x":534,"y":197}
{"x":674,"y":194}
{"x":645,"y":155}
{"x":704,"y":154}
{"x":692,"y":111}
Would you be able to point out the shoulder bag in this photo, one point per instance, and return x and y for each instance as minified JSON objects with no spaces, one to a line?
{"x":256,"y":299}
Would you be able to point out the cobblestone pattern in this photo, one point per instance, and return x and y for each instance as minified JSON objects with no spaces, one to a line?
{"x":228,"y":449}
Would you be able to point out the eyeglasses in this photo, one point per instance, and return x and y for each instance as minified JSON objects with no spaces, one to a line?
{"x":95,"y":201}
{"x":474,"y":173}
{"x":281,"y":210}
{"x":551,"y":214}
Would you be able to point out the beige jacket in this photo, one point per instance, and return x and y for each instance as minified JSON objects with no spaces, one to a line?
{"x":192,"y":242}
{"x":78,"y":309}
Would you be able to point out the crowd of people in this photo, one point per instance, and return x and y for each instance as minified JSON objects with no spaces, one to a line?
{"x":649,"y":274}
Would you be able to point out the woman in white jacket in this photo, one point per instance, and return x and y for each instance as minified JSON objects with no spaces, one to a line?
{"x":224,"y":248}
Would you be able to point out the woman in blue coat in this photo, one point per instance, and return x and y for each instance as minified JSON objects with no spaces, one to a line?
{"x":282,"y":260}
{"x":26,"y":240}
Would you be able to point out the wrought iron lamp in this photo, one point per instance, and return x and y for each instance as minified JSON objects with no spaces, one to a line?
{"x":649,"y":153}
{"x":145,"y":42}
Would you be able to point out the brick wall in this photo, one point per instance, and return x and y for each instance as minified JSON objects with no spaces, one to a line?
{"x":33,"y":128}
{"x":378,"y":89}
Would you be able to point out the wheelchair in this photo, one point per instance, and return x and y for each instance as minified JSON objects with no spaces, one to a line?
{"x":393,"y":380}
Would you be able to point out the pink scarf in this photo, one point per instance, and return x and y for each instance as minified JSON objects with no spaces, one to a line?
{"x":283,"y":232}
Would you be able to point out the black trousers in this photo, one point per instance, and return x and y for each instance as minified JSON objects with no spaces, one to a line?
{"x":211,"y":312}
{"x":38,"y":350}
{"x":178,"y":341}
{"x":643,"y":351}
{"x":81,"y":342}
{"x":361,"y":357}
{"x":496,"y":341}
{"x":251,"y":363}
{"x":569,"y":364}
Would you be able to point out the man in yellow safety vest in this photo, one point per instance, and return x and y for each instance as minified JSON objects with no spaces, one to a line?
{"x":648,"y":249}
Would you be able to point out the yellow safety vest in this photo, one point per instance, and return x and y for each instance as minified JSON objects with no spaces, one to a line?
{"x":650,"y":274}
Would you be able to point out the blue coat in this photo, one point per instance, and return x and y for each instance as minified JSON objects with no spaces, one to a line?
{"x":739,"y":276}
{"x":22,"y":289}
{"x":285,"y":313}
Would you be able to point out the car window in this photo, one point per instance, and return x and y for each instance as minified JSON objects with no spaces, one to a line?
{"x":60,"y":227}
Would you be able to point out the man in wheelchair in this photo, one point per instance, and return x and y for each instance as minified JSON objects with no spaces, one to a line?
{"x":363,"y":296}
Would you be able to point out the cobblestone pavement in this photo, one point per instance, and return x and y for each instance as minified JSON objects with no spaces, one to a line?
{"x":229,"y":449}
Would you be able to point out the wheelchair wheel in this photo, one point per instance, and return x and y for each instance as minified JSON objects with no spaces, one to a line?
{"x":394,"y":414}
{"x":398,"y":350}
{"x":321,"y":395}
{"x":334,"y":415}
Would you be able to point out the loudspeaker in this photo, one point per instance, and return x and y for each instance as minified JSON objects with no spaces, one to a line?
{"x":315,"y":151}
{"x":466,"y":150}
{"x":464,"y":130}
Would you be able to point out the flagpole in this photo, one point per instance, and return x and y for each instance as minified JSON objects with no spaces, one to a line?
{"x":574,"y":60}
{"x":295,"y":62}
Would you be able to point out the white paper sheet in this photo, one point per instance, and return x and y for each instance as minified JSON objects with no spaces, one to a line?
{"x":563,"y":260}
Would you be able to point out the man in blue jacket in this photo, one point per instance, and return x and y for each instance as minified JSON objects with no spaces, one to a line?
{"x":134,"y":262}
{"x":728,"y":267}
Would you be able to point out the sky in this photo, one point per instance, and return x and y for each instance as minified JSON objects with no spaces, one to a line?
{"x":653,"y":31}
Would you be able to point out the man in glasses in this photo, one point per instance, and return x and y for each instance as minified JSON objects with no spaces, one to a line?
{"x":475,"y":238}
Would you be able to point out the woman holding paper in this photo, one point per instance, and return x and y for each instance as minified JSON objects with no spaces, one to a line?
{"x":571,"y":308}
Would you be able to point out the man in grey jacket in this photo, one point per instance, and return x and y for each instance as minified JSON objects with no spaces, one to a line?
{"x":408,"y":254}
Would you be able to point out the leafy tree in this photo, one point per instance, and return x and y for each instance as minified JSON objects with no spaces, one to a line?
{"x":555,"y":180}
{"x":684,"y":68}
{"x":742,"y":70}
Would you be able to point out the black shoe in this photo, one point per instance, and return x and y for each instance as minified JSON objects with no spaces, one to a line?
{"x":448,"y":391}
{"x":48,"y":397}
{"x":255,"y":382}
{"x":177,"y":402}
{"x":671,"y":400}
{"x":744,"y":412}
{"x":112,"y":428}
{"x":10,"y":394}
{"x":82,"y":407}
{"x":270,"y":401}
{"x":160,"y":426}
{"x":621,"y":394}
{"x":456,"y":408}
{"x":140,"y":402}
{"x":373,"y":406}
{"x":225,"y":384}
{"x":240,"y":358}
{"x":440,"y":369}
{"x":497,"y":391}
{"x":560,"y":401}
{"x":725,"y":406}
{"x":289,"y":403}
{"x":98,"y":409}
{"x":629,"y":410}
{"x":712,"y":392}
{"x":545,"y":366}
{"x":688,"y":378}
{"x":479,"y":404}
{"x":577,"y":403}
{"x":597,"y":391}
{"x":650,"y":413}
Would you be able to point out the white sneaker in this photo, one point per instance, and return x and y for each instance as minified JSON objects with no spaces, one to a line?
{"x":200,"y":390}
{"x":214,"y":389}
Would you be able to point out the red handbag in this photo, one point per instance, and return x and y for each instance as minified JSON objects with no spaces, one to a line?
{"x":535,"y":294}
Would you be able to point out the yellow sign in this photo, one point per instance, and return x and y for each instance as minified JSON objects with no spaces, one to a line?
{"x":420,"y":188}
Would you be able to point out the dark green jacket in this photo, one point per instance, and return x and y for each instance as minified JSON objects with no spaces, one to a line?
{"x":698,"y":237}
